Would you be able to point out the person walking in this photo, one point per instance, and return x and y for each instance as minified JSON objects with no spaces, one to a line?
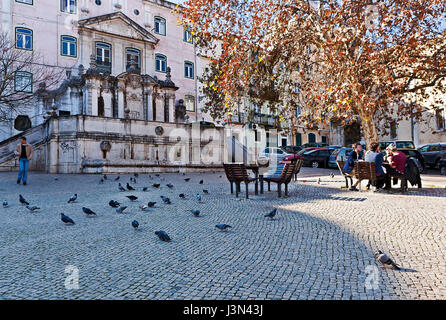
{"x":24,"y":152}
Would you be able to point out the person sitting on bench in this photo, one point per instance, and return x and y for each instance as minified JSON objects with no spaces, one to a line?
{"x":355,"y":155}
{"x":375,"y":155}
{"x":397,"y":163}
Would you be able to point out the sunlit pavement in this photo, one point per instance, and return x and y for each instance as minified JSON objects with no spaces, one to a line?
{"x":320,"y":246}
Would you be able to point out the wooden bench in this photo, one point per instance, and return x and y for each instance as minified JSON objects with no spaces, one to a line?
{"x":285,"y":176}
{"x":365,"y":170}
{"x":237,"y":173}
{"x":347,"y":176}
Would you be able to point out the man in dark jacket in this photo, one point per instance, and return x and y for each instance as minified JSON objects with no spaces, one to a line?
{"x":355,"y":155}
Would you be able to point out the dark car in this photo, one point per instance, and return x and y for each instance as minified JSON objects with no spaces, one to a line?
{"x":433,"y":153}
{"x":317,"y":158}
{"x":315,"y":144}
{"x":442,"y":165}
{"x":291,"y":149}
{"x":299,"y":154}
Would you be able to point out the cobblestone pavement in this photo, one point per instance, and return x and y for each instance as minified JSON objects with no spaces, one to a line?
{"x":319,"y":246}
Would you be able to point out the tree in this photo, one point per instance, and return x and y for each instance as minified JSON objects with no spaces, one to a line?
{"x":374,"y":61}
{"x":21,"y":72}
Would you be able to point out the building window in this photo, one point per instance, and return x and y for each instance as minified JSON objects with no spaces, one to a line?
{"x":130,"y":52}
{"x":25,"y":1}
{"x":190,"y":102}
{"x":160,"y":26}
{"x":68,"y":6}
{"x":23,"y":38}
{"x":187,"y":36}
{"x":160,"y":63}
{"x":440,"y":119}
{"x":311,"y":138}
{"x":103,"y":56}
{"x":298,"y":111}
{"x":68,"y":46}
{"x":297,"y":87}
{"x":188,"y":70}
{"x":23,"y":82}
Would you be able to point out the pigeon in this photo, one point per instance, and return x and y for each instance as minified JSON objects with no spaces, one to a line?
{"x":220,"y":177}
{"x":157,"y":175}
{"x":272,"y":214}
{"x":121,"y":209}
{"x":195,"y":212}
{"x":101,"y":181}
{"x":66,"y":219}
{"x":105,"y":177}
{"x":113,"y":204}
{"x":33,"y":208}
{"x":156,"y":185}
{"x":319,"y":181}
{"x":135,"y":224}
{"x":5,"y":204}
{"x":132,"y":197}
{"x":201,"y":182}
{"x":136,"y":175}
{"x":332,"y":175}
{"x":129,"y":187}
{"x":186,"y":179}
{"x":145,"y":189}
{"x":88,"y":211}
{"x":205,"y":191}
{"x":117,"y":178}
{"x":182,"y":196}
{"x":56,"y":179}
{"x":143,"y":207}
{"x":23,"y":201}
{"x":121,"y":188}
{"x":198,"y":197}
{"x":72,"y":198}
{"x":223,"y":227}
{"x":162,"y":235}
{"x":166,"y":200}
{"x":170,"y":186}
{"x":385,"y":260}
{"x":151,"y":204}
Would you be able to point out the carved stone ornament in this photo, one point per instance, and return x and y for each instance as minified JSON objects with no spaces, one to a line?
{"x":105,"y":146}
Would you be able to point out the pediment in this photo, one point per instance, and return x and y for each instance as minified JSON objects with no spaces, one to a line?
{"x":118,"y":24}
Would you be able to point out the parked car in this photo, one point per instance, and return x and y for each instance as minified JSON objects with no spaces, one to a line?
{"x":442,"y":166}
{"x":433,"y":153}
{"x":315,"y":144}
{"x":273,"y":154}
{"x":291,"y":149}
{"x":316,"y":158}
{"x":299,"y":154}
{"x":399,"y":144}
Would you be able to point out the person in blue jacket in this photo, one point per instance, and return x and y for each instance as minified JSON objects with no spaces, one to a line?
{"x":354,"y":155}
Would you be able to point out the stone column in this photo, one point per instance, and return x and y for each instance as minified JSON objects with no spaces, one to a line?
{"x":159,"y":107}
{"x":148,"y":106}
{"x":171,"y":97}
{"x":120,"y":102}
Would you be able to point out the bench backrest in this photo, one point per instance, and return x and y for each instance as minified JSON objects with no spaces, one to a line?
{"x":341,"y":165}
{"x":228,"y":172}
{"x":236,"y":171}
{"x":365,"y":170}
{"x":299,"y":164}
{"x":287,"y":172}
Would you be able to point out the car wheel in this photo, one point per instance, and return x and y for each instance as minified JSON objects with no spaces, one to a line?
{"x":315,"y":164}
{"x":443,"y":170}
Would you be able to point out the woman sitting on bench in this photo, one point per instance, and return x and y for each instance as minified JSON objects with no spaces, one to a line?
{"x":375,"y":155}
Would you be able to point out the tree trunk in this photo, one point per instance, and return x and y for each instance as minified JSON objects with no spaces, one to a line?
{"x":369,"y":129}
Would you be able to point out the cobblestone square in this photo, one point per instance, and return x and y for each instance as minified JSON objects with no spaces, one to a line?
{"x":319,"y":246}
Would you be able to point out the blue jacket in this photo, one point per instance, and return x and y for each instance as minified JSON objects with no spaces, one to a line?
{"x":378,"y":158}
{"x":350,"y":164}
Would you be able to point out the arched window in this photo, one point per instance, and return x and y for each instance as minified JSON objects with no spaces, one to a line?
{"x":23,"y":38}
{"x":160,"y":26}
{"x":103,"y":56}
{"x":311,"y":138}
{"x":68,"y":6}
{"x":131,"y":52}
{"x":188,"y":70}
{"x":68,"y":46}
{"x":160,"y":63}
{"x":23,"y":82}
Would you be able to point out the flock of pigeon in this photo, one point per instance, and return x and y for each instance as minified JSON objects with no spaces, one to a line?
{"x":381,"y":257}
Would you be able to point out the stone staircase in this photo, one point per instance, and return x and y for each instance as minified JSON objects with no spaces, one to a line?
{"x":35,"y":137}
